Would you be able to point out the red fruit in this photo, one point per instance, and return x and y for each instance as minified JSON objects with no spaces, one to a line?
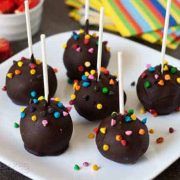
{"x":19,"y":2}
{"x":7,"y":6}
{"x":32,"y":4}
{"x":5,"y":50}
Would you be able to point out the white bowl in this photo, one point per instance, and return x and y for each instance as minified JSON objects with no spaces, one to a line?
{"x":13,"y":26}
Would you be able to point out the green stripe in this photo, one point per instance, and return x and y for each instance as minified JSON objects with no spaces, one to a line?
{"x":121,"y":16}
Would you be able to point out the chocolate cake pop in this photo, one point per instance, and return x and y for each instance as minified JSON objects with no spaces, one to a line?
{"x":122,"y":138}
{"x":80,"y":54}
{"x":160,"y":92}
{"x":95,"y":100}
{"x":46,"y":127}
{"x":24,"y":81}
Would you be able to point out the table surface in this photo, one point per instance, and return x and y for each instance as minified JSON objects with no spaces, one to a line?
{"x":56,"y":20}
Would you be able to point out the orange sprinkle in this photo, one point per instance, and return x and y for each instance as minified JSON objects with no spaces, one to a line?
{"x":17,"y":72}
{"x":141,"y":131}
{"x":161,"y":82}
{"x":151,"y":131}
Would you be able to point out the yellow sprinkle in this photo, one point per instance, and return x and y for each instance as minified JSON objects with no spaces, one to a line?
{"x":133,"y":117}
{"x":93,"y":72}
{"x":165,"y":62}
{"x":151,"y":131}
{"x":141,"y":131}
{"x":86,"y":74}
{"x":95,"y":167}
{"x":34,"y":118}
{"x":118,"y":137}
{"x":64,"y":46}
{"x":10,"y":75}
{"x":20,"y":63}
{"x":41,"y":98}
{"x":87,"y":64}
{"x":32,"y":71}
{"x":38,"y":62}
{"x":74,"y":85}
{"x":142,"y":111}
{"x":91,"y":136}
{"x":167,"y":77}
{"x":103,"y":130}
{"x":87,"y":36}
{"x":105,"y":147}
{"x":81,"y":31}
{"x":57,"y":99}
{"x":22,"y":109}
{"x":165,"y":68}
{"x":178,"y":80}
{"x":73,"y":96}
{"x":94,"y":35}
{"x":99,"y":106}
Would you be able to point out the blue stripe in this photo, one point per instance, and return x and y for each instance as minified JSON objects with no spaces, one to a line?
{"x":136,"y":16}
{"x":160,"y":8}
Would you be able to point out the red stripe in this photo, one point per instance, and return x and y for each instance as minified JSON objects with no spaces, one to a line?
{"x":159,"y":33}
{"x":129,"y":17}
{"x":177,"y":3}
{"x":158,"y":15}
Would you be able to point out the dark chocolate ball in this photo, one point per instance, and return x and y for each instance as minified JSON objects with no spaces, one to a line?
{"x":46,"y":127}
{"x":95,"y":100}
{"x":122,"y":138}
{"x":24,"y":81}
{"x":80,"y":54}
{"x":159,"y":93}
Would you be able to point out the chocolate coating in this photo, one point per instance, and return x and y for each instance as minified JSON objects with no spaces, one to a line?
{"x":121,"y":141}
{"x":163,"y":94}
{"x":49,"y":134}
{"x":22,"y":83}
{"x":77,"y":53}
{"x":88,"y":98}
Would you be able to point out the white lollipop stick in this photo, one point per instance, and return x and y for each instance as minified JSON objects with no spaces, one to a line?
{"x":28,"y":26}
{"x":86,"y":10}
{"x":45,"y":71}
{"x":99,"y":56}
{"x":120,"y":77}
{"x":166,"y":25}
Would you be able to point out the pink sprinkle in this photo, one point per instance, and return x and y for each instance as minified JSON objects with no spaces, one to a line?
{"x":143,"y":75}
{"x":128,"y":133}
{"x":113,"y":122}
{"x":91,"y":50}
{"x":148,"y":66}
{"x":68,"y":108}
{"x":123,"y":142}
{"x":78,"y":49}
{"x":156,"y":76}
{"x":44,"y":123}
{"x":85,"y":164}
{"x":52,"y":99}
{"x":32,"y":66}
{"x":65,"y":113}
{"x":91,"y":76}
{"x":4,"y":88}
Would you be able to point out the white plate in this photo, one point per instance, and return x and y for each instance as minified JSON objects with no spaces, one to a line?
{"x":157,"y":158}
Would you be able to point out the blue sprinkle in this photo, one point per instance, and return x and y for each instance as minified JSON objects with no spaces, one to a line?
{"x":84,"y":78}
{"x":60,"y":105}
{"x":23,"y":115}
{"x":127,"y":119}
{"x":85,"y":84}
{"x":33,"y":94}
{"x":151,"y":69}
{"x":75,"y":36}
{"x":144,"y":121}
{"x":56,"y":115}
{"x":35,"y":101}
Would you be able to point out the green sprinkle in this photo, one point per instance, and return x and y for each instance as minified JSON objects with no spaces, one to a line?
{"x":173,"y":70}
{"x":130,"y":111}
{"x":105,"y":90}
{"x":16,"y":125}
{"x":147,"y":84}
{"x":76,"y":167}
{"x":70,"y":81}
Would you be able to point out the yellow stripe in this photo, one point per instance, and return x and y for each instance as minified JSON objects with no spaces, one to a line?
{"x":148,"y":37}
{"x":117,"y":21}
{"x":141,"y":11}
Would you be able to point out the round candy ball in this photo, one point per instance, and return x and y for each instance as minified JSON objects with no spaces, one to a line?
{"x":95,"y":100}
{"x":80,"y":54}
{"x":122,"y":138}
{"x":159,"y":93}
{"x":46,"y":127}
{"x":24,"y":81}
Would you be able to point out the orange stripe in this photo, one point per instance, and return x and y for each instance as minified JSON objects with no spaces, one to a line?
{"x":158,"y":15}
{"x":129,"y":17}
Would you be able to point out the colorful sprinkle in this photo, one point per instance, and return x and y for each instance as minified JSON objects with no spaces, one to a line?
{"x":173,"y":70}
{"x":73,"y":96}
{"x":91,"y":50}
{"x":80,"y":68}
{"x":167,"y":77}
{"x":118,"y":137}
{"x":87,"y":36}
{"x":142,"y":110}
{"x":165,"y":68}
{"x":147,"y":84}
{"x":56,"y":115}
{"x":41,"y":98}
{"x":35,"y":101}
{"x":144,"y":121}
{"x":23,"y":115}
{"x":103,"y":130}
{"x":141,"y":131}
{"x":161,"y":82}
{"x":105,"y":90}
{"x":151,"y":131}
{"x":95,"y":167}
{"x":105,"y":147}
{"x":128,"y":133}
{"x":4,"y":88}
{"x":68,"y":108}
{"x":76,"y":167}
{"x":44,"y":123}
{"x":84,"y":78}
{"x":60,"y":105}
{"x":143,"y":75}
{"x":156,"y":76}
{"x":81,"y":31}
{"x":87,"y":64}
{"x":34,"y":118}
{"x":65,"y":113}
{"x":85,"y":84}
{"x":99,"y":106}
{"x":33,"y":94}
{"x":171,"y":130}
{"x":92,"y":72}
{"x":38,"y":62}
{"x":91,"y":136}
{"x":32,"y":71}
{"x":178,"y":80}
{"x":113,"y":122}
{"x":124,"y":142}
{"x":127,"y":119}
{"x":151,"y":69}
{"x":16,"y":125}
{"x":22,"y":109}
{"x":20,"y":63}
{"x":64,"y":46}
{"x":10,"y":75}
{"x":133,"y":117}
{"x":32,"y":66}
{"x":148,"y":66}
{"x":91,"y":77}
{"x":159,"y":140}
{"x":17,"y":72}
{"x":85,"y":164}
{"x":95,"y":130}
{"x":111,"y":82}
{"x":75,"y":36}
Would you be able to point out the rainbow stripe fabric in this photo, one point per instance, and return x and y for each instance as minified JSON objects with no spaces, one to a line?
{"x":141,"y":18}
